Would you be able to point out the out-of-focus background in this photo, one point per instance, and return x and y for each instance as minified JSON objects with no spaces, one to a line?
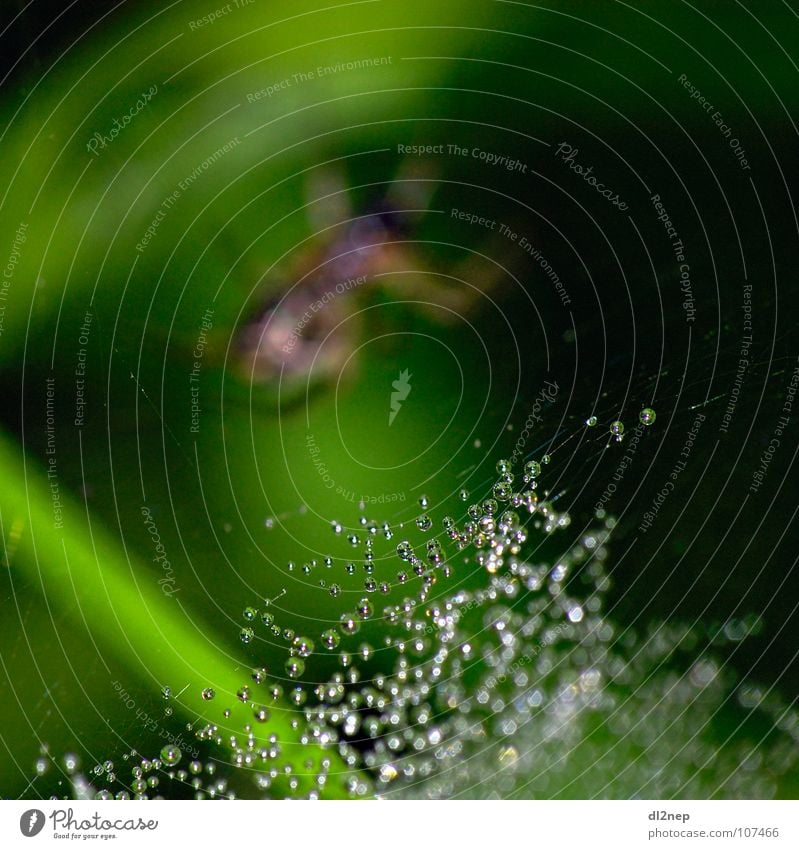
{"x":269,"y":268}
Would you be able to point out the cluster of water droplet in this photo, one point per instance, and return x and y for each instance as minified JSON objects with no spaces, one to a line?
{"x":393,"y":725}
{"x":507,"y":682}
{"x":647,"y":418}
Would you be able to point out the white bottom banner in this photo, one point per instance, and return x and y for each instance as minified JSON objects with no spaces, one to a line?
{"x":396,"y":825}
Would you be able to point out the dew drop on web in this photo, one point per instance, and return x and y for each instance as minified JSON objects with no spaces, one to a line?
{"x":475,"y":688}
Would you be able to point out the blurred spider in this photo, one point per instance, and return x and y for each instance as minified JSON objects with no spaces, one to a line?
{"x":311,"y":324}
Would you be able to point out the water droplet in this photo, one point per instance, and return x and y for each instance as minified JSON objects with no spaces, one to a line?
{"x":298,"y":696}
{"x":303,"y":646}
{"x":404,"y":550}
{"x":348,"y":624}
{"x":170,"y":755}
{"x":330,"y":639}
{"x":508,"y":756}
{"x":295,"y":666}
{"x":508,"y":521}
{"x":208,"y":693}
{"x":532,"y":470}
{"x":502,"y":491}
{"x":647,"y":416}
{"x":246,"y":635}
{"x":424,"y":523}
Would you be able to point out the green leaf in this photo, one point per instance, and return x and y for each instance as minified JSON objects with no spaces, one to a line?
{"x":83,"y":572}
